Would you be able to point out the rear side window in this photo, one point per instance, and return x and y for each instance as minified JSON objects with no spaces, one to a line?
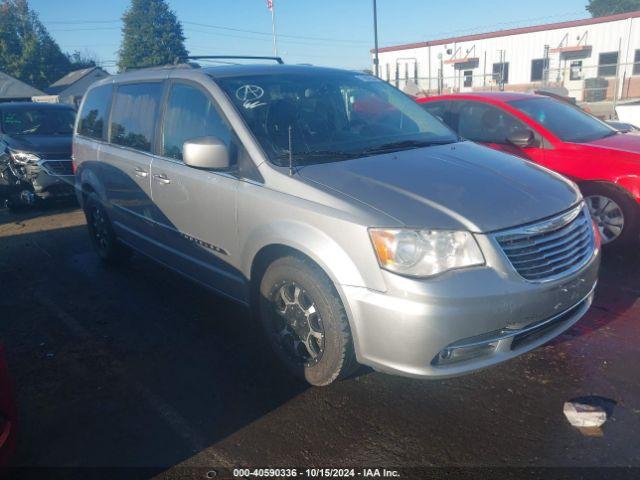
{"x":95,"y":112}
{"x":135,"y":109}
{"x":190,"y":114}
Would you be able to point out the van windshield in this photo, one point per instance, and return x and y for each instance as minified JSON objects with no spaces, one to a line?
{"x":334,"y":116}
{"x":37,"y":121}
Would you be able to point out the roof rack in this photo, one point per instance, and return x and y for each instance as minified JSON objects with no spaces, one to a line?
{"x":235,"y":57}
{"x":162,"y":67}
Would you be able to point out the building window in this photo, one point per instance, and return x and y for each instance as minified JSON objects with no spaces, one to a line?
{"x":538,"y":66}
{"x":607,"y":64}
{"x":575,"y":70}
{"x":501,"y":72}
{"x":636,"y":63}
{"x":468,"y":78}
{"x":387,"y":71}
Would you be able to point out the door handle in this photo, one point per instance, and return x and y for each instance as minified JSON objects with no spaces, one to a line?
{"x":162,"y":178}
{"x":141,"y":173}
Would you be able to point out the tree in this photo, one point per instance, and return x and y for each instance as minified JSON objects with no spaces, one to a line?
{"x":152,"y":35}
{"x":84,"y":59}
{"x":601,"y":8}
{"x":27,"y":51}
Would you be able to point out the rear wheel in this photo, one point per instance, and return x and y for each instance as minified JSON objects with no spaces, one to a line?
{"x":305,"y":322}
{"x":614,"y":213}
{"x":102,"y":235}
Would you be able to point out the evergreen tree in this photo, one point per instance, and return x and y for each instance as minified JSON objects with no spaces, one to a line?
{"x":27,"y":51}
{"x":152,"y":35}
{"x":601,"y":8}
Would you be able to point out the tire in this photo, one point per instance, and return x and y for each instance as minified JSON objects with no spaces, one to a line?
{"x":282,"y":310}
{"x":102,"y":235}
{"x":610,"y":207}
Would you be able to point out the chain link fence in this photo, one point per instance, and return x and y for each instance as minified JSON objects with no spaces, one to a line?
{"x":598,"y":87}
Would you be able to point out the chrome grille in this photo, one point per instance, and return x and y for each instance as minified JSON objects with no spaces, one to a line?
{"x":551,"y":248}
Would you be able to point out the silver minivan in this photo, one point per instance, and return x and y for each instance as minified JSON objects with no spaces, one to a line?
{"x":357,"y":227}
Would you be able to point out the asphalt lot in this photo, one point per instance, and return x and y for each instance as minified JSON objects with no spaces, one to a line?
{"x":138,"y":367}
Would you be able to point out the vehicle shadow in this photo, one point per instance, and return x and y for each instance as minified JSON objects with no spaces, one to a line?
{"x":617,"y":292}
{"x":31,"y":212}
{"x":134,"y":366}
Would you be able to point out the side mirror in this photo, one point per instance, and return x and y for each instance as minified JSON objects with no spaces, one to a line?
{"x":208,"y":153}
{"x":521,"y":138}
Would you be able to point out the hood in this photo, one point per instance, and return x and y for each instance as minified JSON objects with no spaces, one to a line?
{"x":48,"y":145}
{"x":622,"y":141}
{"x":457,"y":186}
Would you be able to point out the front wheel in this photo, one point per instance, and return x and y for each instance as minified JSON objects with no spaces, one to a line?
{"x":305,"y":321}
{"x":614,"y":213}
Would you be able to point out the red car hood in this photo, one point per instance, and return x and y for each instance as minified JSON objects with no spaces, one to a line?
{"x":622,"y":142}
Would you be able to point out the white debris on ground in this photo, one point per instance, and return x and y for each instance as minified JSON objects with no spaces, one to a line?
{"x":582,"y":415}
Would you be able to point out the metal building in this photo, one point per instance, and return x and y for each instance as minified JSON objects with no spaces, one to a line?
{"x":595,"y":59}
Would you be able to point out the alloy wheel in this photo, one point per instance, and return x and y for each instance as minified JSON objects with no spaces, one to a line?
{"x":607,"y":215}
{"x":100,"y":229}
{"x":297,"y":327}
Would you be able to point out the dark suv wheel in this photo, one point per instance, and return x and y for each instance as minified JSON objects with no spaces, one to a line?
{"x":305,"y":321}
{"x":101,"y":232}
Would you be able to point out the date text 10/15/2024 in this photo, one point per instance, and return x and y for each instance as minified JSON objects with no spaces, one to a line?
{"x":311,"y":473}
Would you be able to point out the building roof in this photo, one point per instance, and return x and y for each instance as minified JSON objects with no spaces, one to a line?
{"x":69,"y":79}
{"x":11,"y":88}
{"x":512,"y":31}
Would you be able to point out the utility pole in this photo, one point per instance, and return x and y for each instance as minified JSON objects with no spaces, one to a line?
{"x":376,"y":61}
{"x":273,"y":26}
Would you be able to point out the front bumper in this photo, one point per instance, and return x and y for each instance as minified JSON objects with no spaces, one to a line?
{"x":463,"y":320}
{"x":48,"y":178}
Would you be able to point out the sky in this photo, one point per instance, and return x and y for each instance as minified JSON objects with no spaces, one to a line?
{"x":335,"y":33}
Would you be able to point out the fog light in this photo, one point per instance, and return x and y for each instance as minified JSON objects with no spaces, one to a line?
{"x":459,"y":354}
{"x":445,"y":354}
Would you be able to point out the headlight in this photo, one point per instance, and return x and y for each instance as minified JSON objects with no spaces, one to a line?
{"x":24,"y":157}
{"x":422,"y":253}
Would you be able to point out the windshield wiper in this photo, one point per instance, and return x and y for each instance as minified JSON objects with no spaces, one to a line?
{"x":328,"y":155}
{"x":405,"y":145}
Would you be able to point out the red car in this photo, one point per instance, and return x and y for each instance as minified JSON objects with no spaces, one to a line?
{"x":555,"y":134}
{"x":7,"y":414}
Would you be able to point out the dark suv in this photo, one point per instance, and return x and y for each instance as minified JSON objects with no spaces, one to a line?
{"x":35,"y":152}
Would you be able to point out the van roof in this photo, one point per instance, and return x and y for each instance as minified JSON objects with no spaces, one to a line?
{"x":218,"y":71}
{"x":258,"y":69}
